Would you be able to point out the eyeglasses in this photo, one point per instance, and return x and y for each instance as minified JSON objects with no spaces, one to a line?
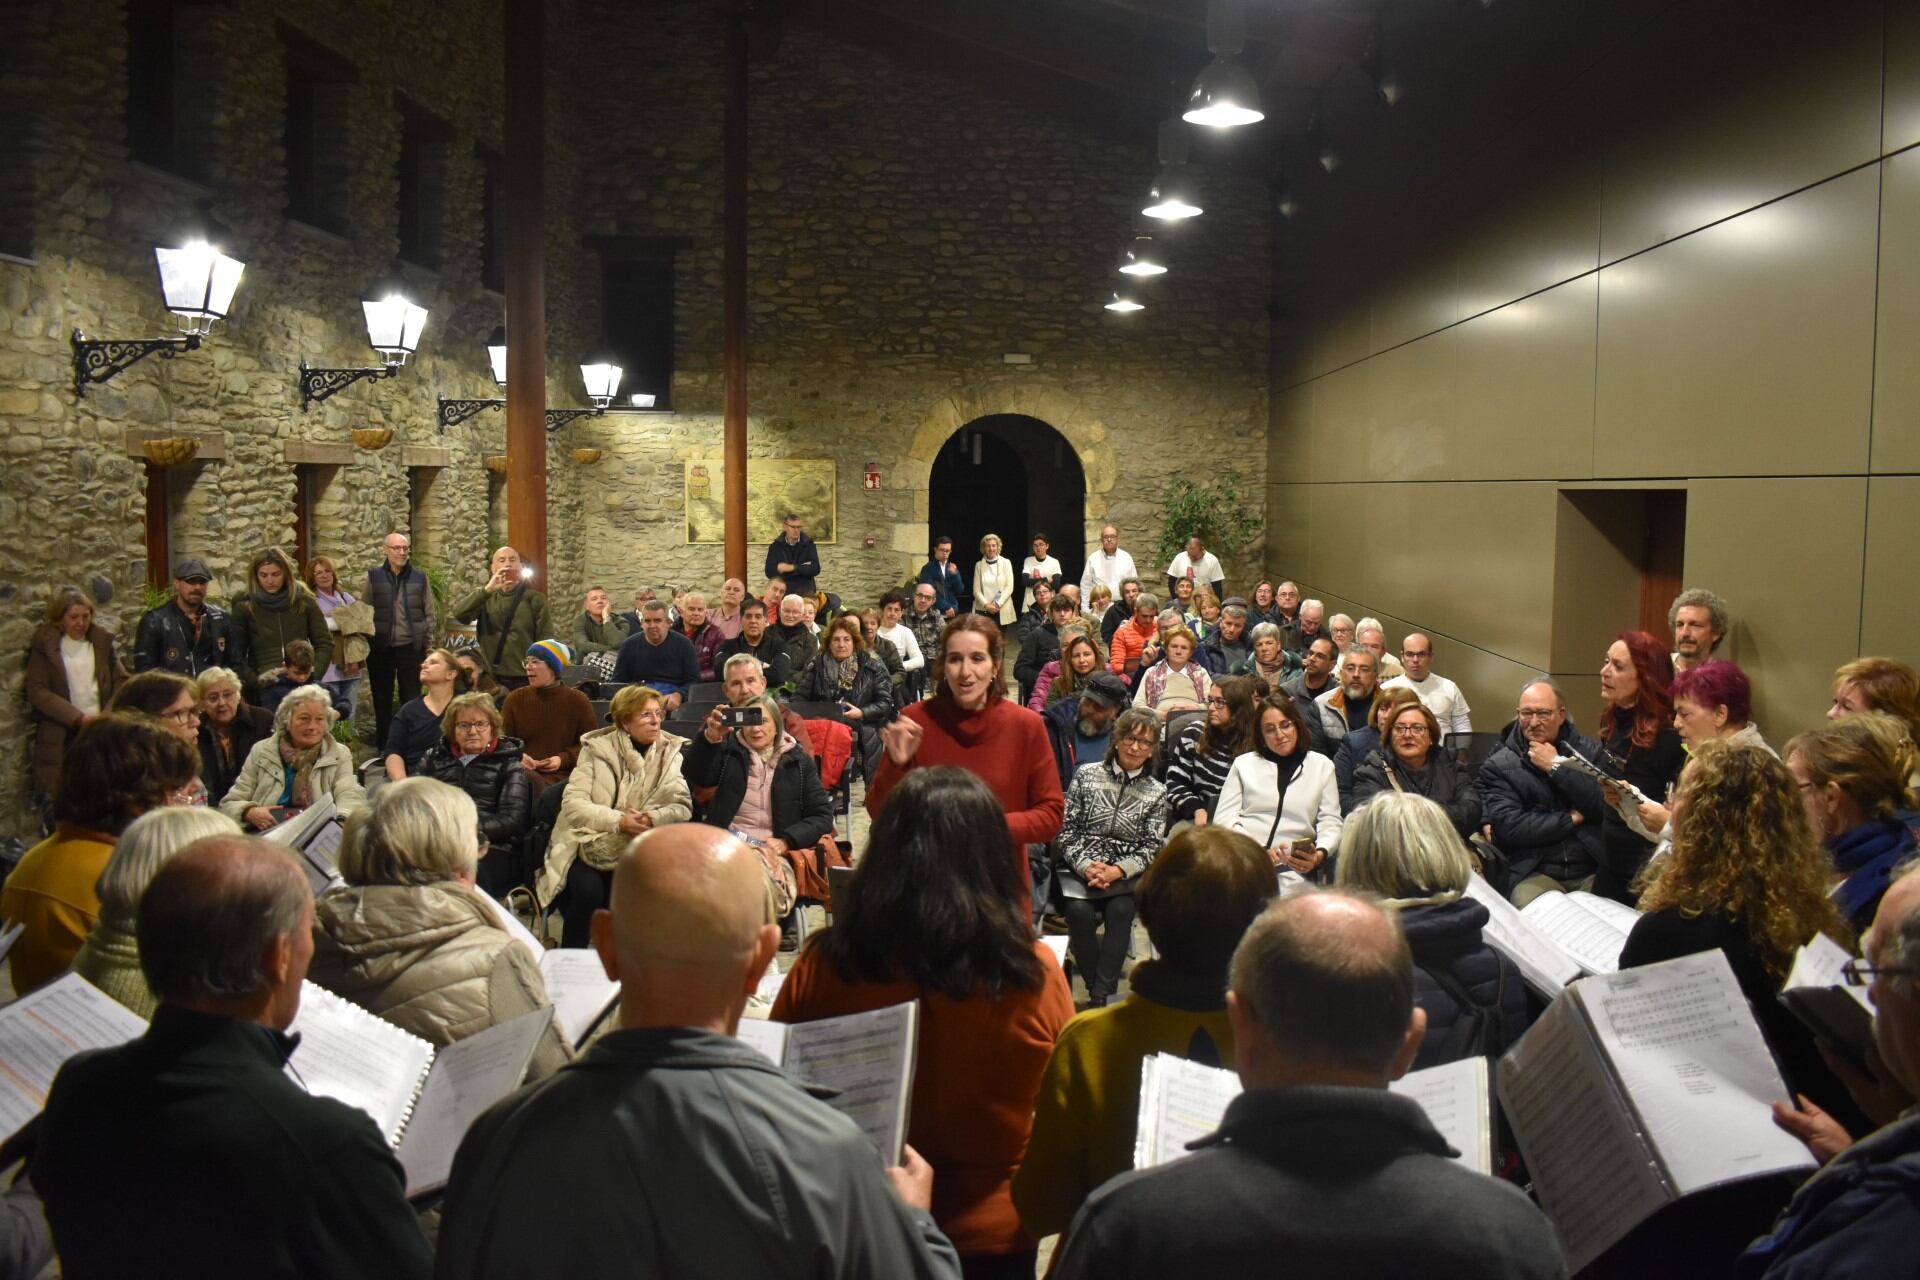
{"x":1216,"y":702}
{"x":474,"y":726}
{"x":1535,"y":715}
{"x":1409,"y":731}
{"x":1857,"y":974}
{"x":186,"y":715}
{"x":651,"y":713}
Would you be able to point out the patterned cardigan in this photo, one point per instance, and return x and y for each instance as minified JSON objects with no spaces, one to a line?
{"x":1114,"y":818}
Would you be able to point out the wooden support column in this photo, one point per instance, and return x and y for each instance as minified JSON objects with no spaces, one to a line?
{"x":734,"y":294}
{"x":525,"y":218}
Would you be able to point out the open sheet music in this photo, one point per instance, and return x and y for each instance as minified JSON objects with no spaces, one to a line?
{"x":422,"y":1100}
{"x":1818,"y":995}
{"x":1637,"y":1088}
{"x":313,"y":836}
{"x":1590,"y":929}
{"x":1631,"y":797}
{"x":868,"y":1057}
{"x":1546,"y":968}
{"x":580,"y":989}
{"x":39,"y":1032}
{"x":1181,"y":1101}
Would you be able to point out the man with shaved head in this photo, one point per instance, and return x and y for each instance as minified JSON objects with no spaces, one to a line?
{"x":1439,"y":694}
{"x":190,"y":1151}
{"x":670,"y":1148}
{"x":1316,"y":1163}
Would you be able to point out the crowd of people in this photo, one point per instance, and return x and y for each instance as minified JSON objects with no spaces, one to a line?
{"x":1299,"y":819}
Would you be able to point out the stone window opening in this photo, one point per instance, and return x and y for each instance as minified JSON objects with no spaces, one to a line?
{"x":319,"y":83}
{"x":637,"y":311}
{"x":171,"y":60}
{"x":424,"y":144}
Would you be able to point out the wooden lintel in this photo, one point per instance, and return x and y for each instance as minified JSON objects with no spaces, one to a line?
{"x":317,"y":453}
{"x":416,"y":455}
{"x":213,"y":444}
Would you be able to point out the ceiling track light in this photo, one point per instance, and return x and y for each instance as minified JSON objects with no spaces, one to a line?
{"x":1225,"y":95}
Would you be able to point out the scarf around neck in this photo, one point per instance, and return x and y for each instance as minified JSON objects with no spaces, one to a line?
{"x":276,"y":601}
{"x":1866,"y":855}
{"x":300,"y":791}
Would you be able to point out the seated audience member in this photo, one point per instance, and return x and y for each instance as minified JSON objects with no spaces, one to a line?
{"x":1181,"y":601}
{"x":1441,"y":695}
{"x":725,"y":616}
{"x":883,"y":649}
{"x":629,"y":778}
{"x":767,"y":792}
{"x":1206,"y":613}
{"x":848,"y":674}
{"x":670,"y":1123}
{"x":1282,"y":793}
{"x":925,"y":619}
{"x":1262,"y":608}
{"x":1035,"y":614}
{"x":301,"y":762}
{"x":943,"y":575}
{"x":1066,"y":675}
{"x":1410,"y":759}
{"x":1197,"y":565}
{"x":1309,"y":624}
{"x":1546,"y":820}
{"x":1852,"y":776}
{"x":599,"y":629}
{"x":1405,"y":850}
{"x":660,"y":657}
{"x":416,"y":725}
{"x":174,"y":701}
{"x":1316,"y":1163}
{"x":229,"y":728}
{"x":296,"y":669}
{"x":1098,"y":601}
{"x":756,"y":640}
{"x":409,"y":938}
{"x":139,"y":1143}
{"x":508,"y":615}
{"x":797,"y":634}
{"x":1636,"y":728}
{"x":1041,"y":645}
{"x":1227,"y":645}
{"x":120,"y":766}
{"x":1746,"y":876}
{"x":1134,"y":637}
{"x":1370,"y":635}
{"x":476,"y":675}
{"x":744,"y":684}
{"x":1698,"y":620}
{"x":547,"y":716}
{"x":72,"y":675}
{"x":1361,"y":743}
{"x":474,"y":755}
{"x":110,"y":957}
{"x":1197,"y":898}
{"x":1176,"y":682}
{"x":1040,"y":567}
{"x":1861,"y":1214}
{"x":1349,"y":706}
{"x":640,"y":598}
{"x":1080,"y":724}
{"x":926,"y":918}
{"x":1203,"y":753}
{"x":1877,"y":684}
{"x":1116,"y":821}
{"x":913,"y":658}
{"x":1270,"y":659}
{"x":705,"y":638}
{"x":276,"y":609}
{"x":1121,"y":611}
{"x":1318,"y":659}
{"x":771,"y":594}
{"x":1340,"y":631}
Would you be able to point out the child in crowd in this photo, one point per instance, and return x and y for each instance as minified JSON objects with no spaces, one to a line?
{"x":297,"y":670}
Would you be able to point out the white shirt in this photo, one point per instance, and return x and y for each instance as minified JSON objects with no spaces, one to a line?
{"x":1049,"y":569}
{"x":1205,"y":571}
{"x":82,"y":689}
{"x":1440,"y":696}
{"x":901,"y":638}
{"x":1109,"y":569}
{"x":993,"y":580}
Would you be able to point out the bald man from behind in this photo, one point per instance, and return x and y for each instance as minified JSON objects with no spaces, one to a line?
{"x":670,"y":1149}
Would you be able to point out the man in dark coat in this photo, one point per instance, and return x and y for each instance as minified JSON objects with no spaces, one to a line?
{"x":793,"y":556}
{"x":186,"y":635}
{"x":1547,"y":821}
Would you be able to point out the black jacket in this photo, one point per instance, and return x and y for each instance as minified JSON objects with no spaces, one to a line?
{"x":1443,"y":781}
{"x":772,"y":655}
{"x":165,"y":641}
{"x":803,"y":556}
{"x":1040,"y":646}
{"x":1654,"y":770}
{"x":189,"y":1152}
{"x":872,"y":690}
{"x":1348,"y":755}
{"x":1532,"y":812}
{"x":801,"y":644}
{"x":249,"y":726}
{"x":501,"y":789}
{"x":801,"y":811}
{"x":1446,"y":938}
{"x":415,"y":593}
{"x":1221,"y":658}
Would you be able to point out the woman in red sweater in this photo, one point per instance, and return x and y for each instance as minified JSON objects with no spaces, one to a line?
{"x":970,"y":722}
{"x":922,"y":920}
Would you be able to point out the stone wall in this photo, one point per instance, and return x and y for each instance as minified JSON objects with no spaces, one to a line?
{"x":906,"y":231}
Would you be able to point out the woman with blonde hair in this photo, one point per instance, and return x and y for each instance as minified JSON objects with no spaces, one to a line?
{"x":993,"y":583}
{"x":410,"y":939}
{"x":72,"y":675}
{"x":1403,"y":847}
{"x":296,"y":766}
{"x":1852,"y":776}
{"x":1179,"y":681}
{"x":1747,"y":876}
{"x":342,"y":679}
{"x":275,"y":610}
{"x":110,"y":957}
{"x":229,"y":729}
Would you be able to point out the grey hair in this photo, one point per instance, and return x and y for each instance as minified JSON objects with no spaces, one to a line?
{"x":1265,"y":631}
{"x":691,"y":596}
{"x":1128,"y":723}
{"x":1311,"y":603}
{"x":1360,"y":650}
{"x":776,"y":716}
{"x":1370,"y":624}
{"x":1237,"y":612}
{"x":1339,"y":618}
{"x":1403,"y":847}
{"x":212,"y":676}
{"x":1148,"y":600}
{"x":653,"y":605}
{"x":205,"y":922}
{"x":283,"y":714}
{"x":146,"y":845}
{"x":1559,"y":696}
{"x":736,"y":660}
{"x":1699,"y":598}
{"x":417,"y":831}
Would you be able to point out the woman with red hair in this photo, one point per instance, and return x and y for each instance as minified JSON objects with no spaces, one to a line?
{"x":1636,"y":727}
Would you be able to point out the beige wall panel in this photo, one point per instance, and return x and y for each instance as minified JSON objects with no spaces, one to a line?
{"x":1596,"y":572}
{"x":1292,"y":351}
{"x":1896,"y":371}
{"x":1890,"y":618}
{"x":1523,"y":389}
{"x":1902,"y":123}
{"x":1342,"y":325}
{"x":1420,"y":296}
{"x":1751,"y":341}
{"x":1410,"y":411}
{"x":1786,"y":555}
{"x":1340,"y":418}
{"x":1290,"y":442}
{"x":1731,"y":104}
{"x":1289,"y":553}
{"x":1544,"y":227}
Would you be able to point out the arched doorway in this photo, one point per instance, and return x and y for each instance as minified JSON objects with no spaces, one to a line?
{"x":1013,"y":475}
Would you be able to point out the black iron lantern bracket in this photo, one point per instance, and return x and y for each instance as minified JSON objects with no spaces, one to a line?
{"x":98,"y":359}
{"x":319,"y":384}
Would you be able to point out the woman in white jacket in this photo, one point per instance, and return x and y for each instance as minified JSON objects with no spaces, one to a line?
{"x":993,"y":583}
{"x":1284,"y":795}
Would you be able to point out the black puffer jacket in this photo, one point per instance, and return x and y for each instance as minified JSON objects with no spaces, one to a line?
{"x":500,"y":788}
{"x":872,"y":690}
{"x":249,"y":726}
{"x":1442,"y":781}
{"x":1447,"y":938}
{"x":1532,"y":812}
{"x":801,"y":811}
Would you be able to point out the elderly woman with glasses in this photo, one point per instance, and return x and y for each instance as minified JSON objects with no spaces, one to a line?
{"x":292,"y":769}
{"x":473,"y":756}
{"x":629,"y":779}
{"x":1411,"y":760}
{"x":409,"y":938}
{"x":229,"y":728}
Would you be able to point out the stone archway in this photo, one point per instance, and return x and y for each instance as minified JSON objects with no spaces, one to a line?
{"x":1089,"y":436}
